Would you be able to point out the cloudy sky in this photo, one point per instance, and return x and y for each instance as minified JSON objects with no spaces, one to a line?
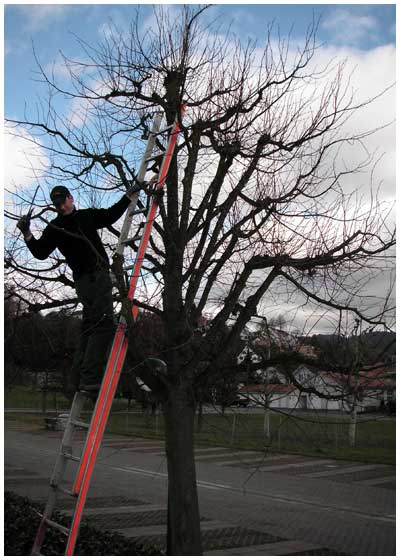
{"x":363,"y":34}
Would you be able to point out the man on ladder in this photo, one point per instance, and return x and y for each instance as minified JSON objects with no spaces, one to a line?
{"x":74,"y":233}
{"x":116,"y":356}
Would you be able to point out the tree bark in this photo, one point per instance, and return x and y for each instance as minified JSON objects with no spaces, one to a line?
{"x":184,"y":536}
{"x":352,"y":427}
{"x":200,"y":418}
{"x":267,"y":432}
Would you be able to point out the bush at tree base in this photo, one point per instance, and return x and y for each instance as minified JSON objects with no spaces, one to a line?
{"x":21,"y":522}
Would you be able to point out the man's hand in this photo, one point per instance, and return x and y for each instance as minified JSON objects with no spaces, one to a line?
{"x":135,"y":186}
{"x":153,"y":180}
{"x":24,"y":224}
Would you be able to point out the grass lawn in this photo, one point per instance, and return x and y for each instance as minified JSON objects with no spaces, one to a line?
{"x":304,"y":434}
{"x":24,"y":397}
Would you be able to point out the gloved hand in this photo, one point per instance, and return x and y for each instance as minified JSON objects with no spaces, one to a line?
{"x":24,"y":224}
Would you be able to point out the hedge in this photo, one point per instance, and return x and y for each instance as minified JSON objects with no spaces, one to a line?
{"x":21,"y":522}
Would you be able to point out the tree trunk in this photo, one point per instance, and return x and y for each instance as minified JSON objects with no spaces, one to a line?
{"x":352,"y":427}
{"x":267,"y":432}
{"x":44,"y":401}
{"x":200,"y":418}
{"x":183,"y":536}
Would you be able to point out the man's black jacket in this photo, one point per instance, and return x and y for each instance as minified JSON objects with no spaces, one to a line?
{"x":76,"y":237}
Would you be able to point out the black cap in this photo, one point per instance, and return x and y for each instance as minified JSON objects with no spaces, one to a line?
{"x":59,"y":194}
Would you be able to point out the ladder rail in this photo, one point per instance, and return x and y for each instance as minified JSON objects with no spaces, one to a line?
{"x":100,"y":404}
{"x":140,"y":177}
{"x":94,"y":451}
{"x":151,"y":215}
{"x":58,"y":472}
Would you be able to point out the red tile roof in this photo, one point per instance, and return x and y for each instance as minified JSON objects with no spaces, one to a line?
{"x":277,"y":388}
{"x":379,"y":377}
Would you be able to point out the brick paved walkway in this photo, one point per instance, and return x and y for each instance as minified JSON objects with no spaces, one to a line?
{"x":144,"y":520}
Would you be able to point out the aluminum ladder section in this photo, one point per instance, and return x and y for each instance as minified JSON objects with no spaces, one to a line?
{"x":112,"y":372}
{"x":64,"y":455}
{"x":126,"y":226}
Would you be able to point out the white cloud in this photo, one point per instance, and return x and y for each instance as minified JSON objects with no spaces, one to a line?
{"x":24,"y":161}
{"x":58,"y":69}
{"x":350,"y":28}
{"x":40,"y":16}
{"x":8,"y":49}
{"x":370,"y":73}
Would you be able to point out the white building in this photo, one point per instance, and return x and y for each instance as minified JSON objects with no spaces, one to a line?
{"x":369,"y":389}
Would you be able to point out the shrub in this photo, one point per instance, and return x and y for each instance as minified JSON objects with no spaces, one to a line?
{"x":21,"y":522}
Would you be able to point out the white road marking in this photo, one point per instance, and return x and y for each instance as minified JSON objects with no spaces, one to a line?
{"x":386,"y":518}
{"x":345,"y":470}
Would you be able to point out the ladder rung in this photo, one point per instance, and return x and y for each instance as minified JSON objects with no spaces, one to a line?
{"x":63,"y":490}
{"x":164,"y":130}
{"x":155,"y":156}
{"x":61,"y":528}
{"x":80,"y":424}
{"x":130,"y":239}
{"x":71,"y":457}
{"x":137,"y":212}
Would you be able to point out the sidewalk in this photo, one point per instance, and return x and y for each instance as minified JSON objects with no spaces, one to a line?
{"x":287,"y":507}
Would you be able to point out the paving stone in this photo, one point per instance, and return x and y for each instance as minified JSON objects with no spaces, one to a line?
{"x":209,"y":450}
{"x":312,"y":467}
{"x":284,"y":460}
{"x":360,"y":476}
{"x":296,"y":466}
{"x":345,"y":471}
{"x":116,"y":509}
{"x":387,"y":485}
{"x":10,"y":471}
{"x":100,"y":502}
{"x":118,"y":521}
{"x":27,"y":480}
{"x":151,"y":450}
{"x":158,"y":531}
{"x":283,"y":548}
{"x":135,"y":449}
{"x":239,"y":456}
{"x":218,"y":538}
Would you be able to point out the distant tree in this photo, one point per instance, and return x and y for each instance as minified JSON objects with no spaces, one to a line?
{"x":37,"y":343}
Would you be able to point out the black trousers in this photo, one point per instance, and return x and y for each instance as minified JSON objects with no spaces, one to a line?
{"x":94,"y":291}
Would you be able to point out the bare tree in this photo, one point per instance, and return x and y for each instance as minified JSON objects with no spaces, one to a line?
{"x":254,"y":205}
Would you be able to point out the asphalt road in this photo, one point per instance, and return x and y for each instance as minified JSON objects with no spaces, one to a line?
{"x":308,"y":503}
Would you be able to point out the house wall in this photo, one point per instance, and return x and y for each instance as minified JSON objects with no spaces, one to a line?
{"x":312,"y":402}
{"x":256,"y":399}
